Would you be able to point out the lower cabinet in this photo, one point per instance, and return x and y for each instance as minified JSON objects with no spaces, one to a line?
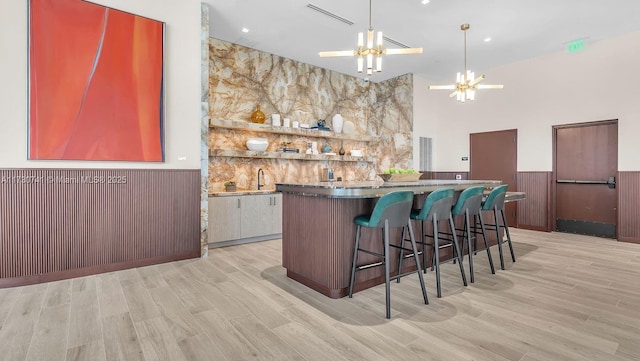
{"x":224,"y":218}
{"x":245,"y":217}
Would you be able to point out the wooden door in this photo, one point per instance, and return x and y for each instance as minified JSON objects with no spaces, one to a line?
{"x":494,"y":156}
{"x":585,"y":167}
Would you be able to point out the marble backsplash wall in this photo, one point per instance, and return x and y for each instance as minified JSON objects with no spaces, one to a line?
{"x":241,"y":78}
{"x":392,"y":120}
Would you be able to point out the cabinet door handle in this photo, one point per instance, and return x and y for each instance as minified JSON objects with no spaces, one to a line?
{"x":270,"y":201}
{"x":274,"y":200}
{"x":238,"y":202}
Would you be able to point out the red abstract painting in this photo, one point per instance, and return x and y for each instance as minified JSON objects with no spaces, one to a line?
{"x":95,"y":83}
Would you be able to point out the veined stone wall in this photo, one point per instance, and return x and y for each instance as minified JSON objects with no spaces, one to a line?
{"x":241,"y":78}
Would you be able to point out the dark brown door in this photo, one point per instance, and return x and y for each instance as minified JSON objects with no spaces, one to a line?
{"x":586,"y":163}
{"x":494,"y":156}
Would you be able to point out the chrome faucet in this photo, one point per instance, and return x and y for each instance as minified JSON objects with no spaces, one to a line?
{"x":260,"y":171}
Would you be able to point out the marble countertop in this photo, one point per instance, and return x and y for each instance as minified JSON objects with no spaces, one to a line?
{"x":241,"y":192}
{"x":377,"y":188}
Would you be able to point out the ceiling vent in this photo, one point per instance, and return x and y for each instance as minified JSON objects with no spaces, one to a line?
{"x":330,"y":14}
{"x":396,"y":43}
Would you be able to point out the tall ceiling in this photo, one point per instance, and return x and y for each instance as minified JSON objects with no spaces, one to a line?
{"x":519,"y":29}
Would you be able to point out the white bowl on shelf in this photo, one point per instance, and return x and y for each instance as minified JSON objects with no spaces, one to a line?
{"x":257,"y":144}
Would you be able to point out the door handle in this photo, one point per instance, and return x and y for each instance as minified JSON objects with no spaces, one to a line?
{"x":574,"y":181}
{"x":610,"y":182}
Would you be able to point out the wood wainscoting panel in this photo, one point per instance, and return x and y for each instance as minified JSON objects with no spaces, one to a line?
{"x":60,"y":223}
{"x":316,"y":251}
{"x":629,"y":206}
{"x":534,"y":212}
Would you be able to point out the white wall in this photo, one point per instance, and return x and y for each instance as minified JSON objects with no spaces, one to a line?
{"x":182,"y":84}
{"x":599,"y":83}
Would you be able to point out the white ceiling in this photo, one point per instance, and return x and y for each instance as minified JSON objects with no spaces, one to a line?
{"x":519,"y":29}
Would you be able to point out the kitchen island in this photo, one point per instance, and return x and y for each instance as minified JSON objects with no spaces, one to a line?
{"x":318,"y":231}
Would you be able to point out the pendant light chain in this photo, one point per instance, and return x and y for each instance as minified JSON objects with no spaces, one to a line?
{"x":370,"y":15}
{"x":465,"y":55}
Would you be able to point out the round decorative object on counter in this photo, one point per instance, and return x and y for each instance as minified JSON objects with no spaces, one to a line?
{"x":258,"y":116}
{"x":257,"y":144}
{"x":338,"y":123}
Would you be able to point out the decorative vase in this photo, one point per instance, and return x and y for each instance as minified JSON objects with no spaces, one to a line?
{"x":341,"y":151}
{"x":258,"y":116}
{"x":338,"y":122}
{"x":326,"y":148}
{"x":230,"y":188}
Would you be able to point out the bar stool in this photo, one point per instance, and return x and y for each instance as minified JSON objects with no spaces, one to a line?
{"x":468,"y":205}
{"x":495,"y":203}
{"x":391,"y":211}
{"x":437,"y":208}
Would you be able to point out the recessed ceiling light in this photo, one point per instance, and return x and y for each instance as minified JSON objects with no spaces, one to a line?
{"x":486,"y":40}
{"x":424,"y":2}
{"x":245,"y":30}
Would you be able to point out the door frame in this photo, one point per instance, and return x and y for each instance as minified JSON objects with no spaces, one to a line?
{"x":554,"y":172}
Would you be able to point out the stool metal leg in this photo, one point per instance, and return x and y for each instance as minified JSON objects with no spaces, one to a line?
{"x":467,"y":229}
{"x":387,"y":284}
{"x":457,"y":249}
{"x":436,"y":255}
{"x":486,"y":243}
{"x":417,"y":259}
{"x":355,"y":261}
{"x":402,"y":240}
{"x":506,"y":230}
{"x":424,"y":247}
{"x":495,"y":218}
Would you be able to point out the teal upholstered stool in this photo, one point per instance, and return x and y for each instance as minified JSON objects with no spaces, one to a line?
{"x":495,"y":203}
{"x":436,"y":209}
{"x":469,"y":205}
{"x":391,"y":211}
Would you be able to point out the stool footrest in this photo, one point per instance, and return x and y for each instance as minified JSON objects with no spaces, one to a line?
{"x":369,"y":265}
{"x":410,"y":255}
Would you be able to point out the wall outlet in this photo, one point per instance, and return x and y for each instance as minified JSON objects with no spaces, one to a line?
{"x":458,"y":176}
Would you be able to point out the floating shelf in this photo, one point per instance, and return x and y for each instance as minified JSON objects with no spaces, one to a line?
{"x":265,"y":128}
{"x":283,"y":155}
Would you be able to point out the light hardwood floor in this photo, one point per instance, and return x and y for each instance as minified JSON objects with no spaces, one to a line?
{"x":566,"y":298}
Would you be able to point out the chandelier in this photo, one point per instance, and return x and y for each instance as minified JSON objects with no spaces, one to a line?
{"x":466,"y":83}
{"x":370,"y":50}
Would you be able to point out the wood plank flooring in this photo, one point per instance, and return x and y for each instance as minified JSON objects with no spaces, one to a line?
{"x":567,"y":297}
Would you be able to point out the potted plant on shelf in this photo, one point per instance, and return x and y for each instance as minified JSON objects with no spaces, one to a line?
{"x":230,"y":186}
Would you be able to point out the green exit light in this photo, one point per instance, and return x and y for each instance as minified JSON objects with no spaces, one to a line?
{"x":575,"y":46}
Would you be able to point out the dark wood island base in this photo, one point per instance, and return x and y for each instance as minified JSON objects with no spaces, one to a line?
{"x":318,"y":231}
